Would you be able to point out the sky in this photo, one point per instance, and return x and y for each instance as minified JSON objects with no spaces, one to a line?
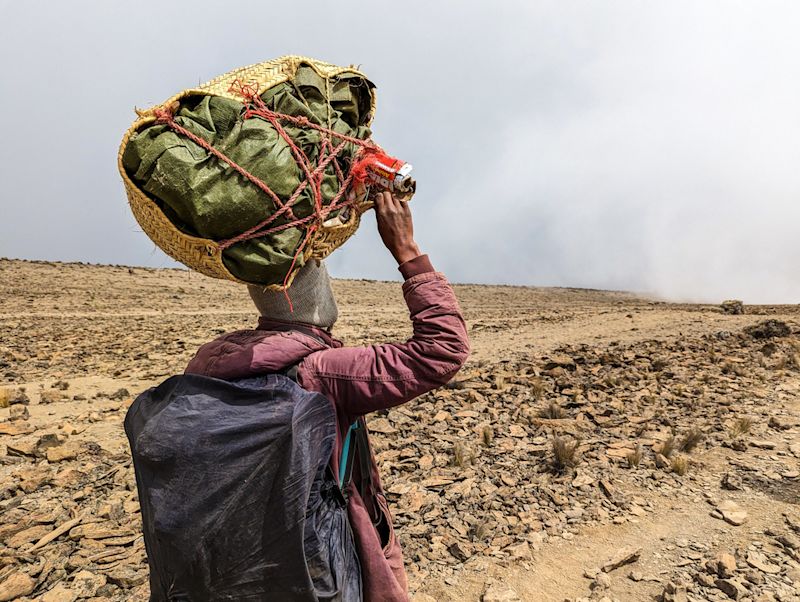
{"x":645,"y":146}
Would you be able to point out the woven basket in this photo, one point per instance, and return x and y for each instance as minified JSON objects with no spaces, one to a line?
{"x":202,"y":254}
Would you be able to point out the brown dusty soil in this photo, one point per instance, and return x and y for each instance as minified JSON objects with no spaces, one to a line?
{"x":480,"y":508}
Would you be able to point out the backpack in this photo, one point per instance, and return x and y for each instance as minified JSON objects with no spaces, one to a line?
{"x":237,"y":496}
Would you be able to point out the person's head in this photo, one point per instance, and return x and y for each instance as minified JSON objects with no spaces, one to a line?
{"x":311,"y":295}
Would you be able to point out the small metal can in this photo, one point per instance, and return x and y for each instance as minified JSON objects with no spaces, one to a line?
{"x":391,"y":174}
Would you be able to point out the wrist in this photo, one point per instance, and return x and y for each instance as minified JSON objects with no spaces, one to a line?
{"x":406,"y":252}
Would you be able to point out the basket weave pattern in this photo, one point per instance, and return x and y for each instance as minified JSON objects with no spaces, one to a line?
{"x":205,"y":255}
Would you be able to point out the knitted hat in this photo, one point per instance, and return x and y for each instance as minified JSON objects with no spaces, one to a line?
{"x":311,"y":295}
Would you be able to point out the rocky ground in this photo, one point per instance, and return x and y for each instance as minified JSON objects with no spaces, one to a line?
{"x":596,"y":446}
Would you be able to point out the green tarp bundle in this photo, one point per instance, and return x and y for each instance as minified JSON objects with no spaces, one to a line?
{"x":205,"y":197}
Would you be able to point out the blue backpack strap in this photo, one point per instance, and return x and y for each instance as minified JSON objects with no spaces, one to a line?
{"x":347,"y":457}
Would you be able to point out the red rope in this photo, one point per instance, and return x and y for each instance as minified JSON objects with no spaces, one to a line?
{"x":313,"y":176}
{"x":164,"y":116}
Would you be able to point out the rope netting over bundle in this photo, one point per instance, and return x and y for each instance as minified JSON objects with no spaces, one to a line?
{"x":314,"y":174}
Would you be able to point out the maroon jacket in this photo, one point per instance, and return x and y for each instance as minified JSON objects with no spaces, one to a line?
{"x":358,"y":380}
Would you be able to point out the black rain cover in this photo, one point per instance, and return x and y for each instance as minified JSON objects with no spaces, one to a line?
{"x":237,"y":502}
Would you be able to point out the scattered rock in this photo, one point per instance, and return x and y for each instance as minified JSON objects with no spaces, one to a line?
{"x":732,"y":588}
{"x":768,"y":329}
{"x":623,"y":557}
{"x":16,"y":586}
{"x":732,"y":306}
{"x":755,"y":577}
{"x":52,"y":396}
{"x":86,"y":583}
{"x":459,"y":551}
{"x":46,"y":442}
{"x":732,"y":513}
{"x":724,"y":565}
{"x":13,"y":429}
{"x":18,"y":412}
{"x":60,"y":593}
{"x":601,"y":582}
{"x":781,"y":423}
{"x":789,"y":541}
{"x":127,"y":577}
{"x":705,"y":579}
{"x":27,"y":536}
{"x":560,"y":361}
{"x":521,"y":551}
{"x":68,"y":451}
{"x":120,"y":394}
{"x":591,"y":573}
{"x":381,"y":425}
{"x":759,"y":561}
{"x":608,"y":488}
{"x":11,"y":397}
{"x":500,"y":593}
{"x":731,"y":482}
{"x":674,"y":592}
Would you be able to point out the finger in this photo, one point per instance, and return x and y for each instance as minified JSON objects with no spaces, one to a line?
{"x":395,"y":203}
{"x":380,"y":203}
{"x":388,"y":201}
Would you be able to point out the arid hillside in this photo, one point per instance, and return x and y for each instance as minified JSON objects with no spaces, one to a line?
{"x":597,"y":446}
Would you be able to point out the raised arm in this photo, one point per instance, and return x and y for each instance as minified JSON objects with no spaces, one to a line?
{"x":365,"y":379}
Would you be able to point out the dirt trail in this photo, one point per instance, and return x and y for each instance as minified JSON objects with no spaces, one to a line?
{"x":558,"y":569}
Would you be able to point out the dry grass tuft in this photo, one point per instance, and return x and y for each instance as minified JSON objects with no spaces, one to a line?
{"x":537,"y":388}
{"x":551,"y":411}
{"x":679,"y":465}
{"x":733,"y":368}
{"x":668,"y":447}
{"x":610,"y":381}
{"x":461,"y":455}
{"x":635,"y":457}
{"x":658,"y":364}
{"x":482,"y":532}
{"x":487,"y":435}
{"x":794,"y":356}
{"x":51,"y":396}
{"x":741,"y":426}
{"x":691,"y":440}
{"x":565,"y":454}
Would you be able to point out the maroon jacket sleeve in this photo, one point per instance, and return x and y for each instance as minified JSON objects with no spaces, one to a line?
{"x":364,"y":379}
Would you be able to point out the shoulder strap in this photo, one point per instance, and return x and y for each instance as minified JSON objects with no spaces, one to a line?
{"x":347,"y":457}
{"x":366,"y":485}
{"x":355,"y":447}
